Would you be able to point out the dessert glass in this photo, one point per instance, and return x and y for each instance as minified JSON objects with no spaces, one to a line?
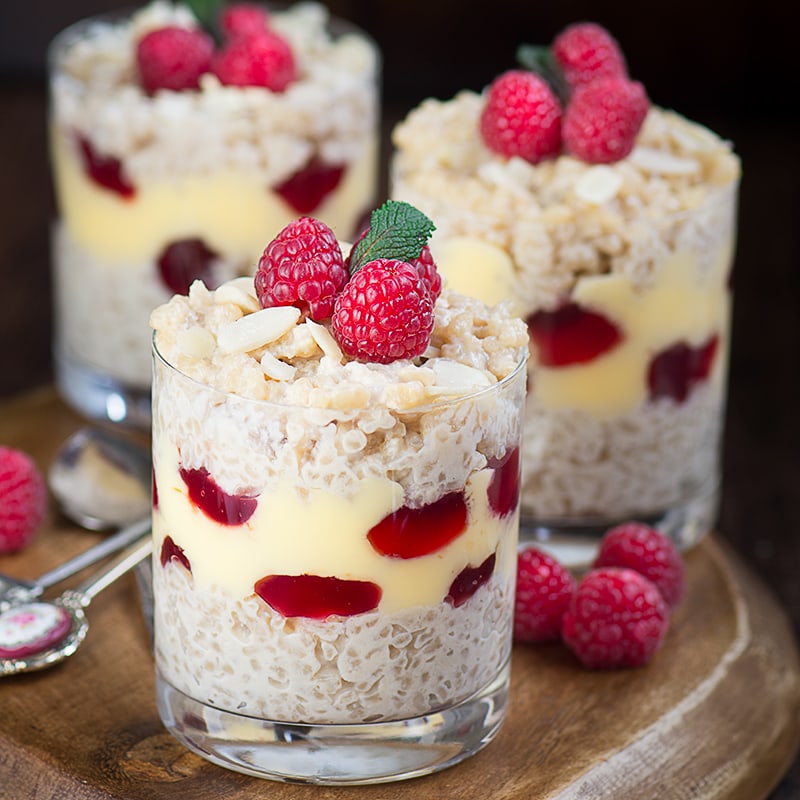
{"x":154,"y":191}
{"x":622,"y":272}
{"x":334,"y":578}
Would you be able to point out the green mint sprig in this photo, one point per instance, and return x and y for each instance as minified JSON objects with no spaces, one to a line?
{"x":539,"y":59}
{"x":396,"y":230}
{"x":207,"y":13}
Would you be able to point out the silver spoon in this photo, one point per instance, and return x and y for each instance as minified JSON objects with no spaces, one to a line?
{"x":100,"y":480}
{"x":41,"y":634}
{"x":14,"y":591}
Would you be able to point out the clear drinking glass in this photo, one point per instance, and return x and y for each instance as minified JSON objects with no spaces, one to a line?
{"x":636,"y":432}
{"x":334,"y":587}
{"x":156,"y":190}
{"x":622,"y":272}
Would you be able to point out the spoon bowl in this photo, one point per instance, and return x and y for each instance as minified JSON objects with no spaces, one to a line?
{"x":101,"y":479}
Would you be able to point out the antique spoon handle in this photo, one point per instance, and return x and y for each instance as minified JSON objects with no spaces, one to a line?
{"x":82,"y":595}
{"x":112,"y":544}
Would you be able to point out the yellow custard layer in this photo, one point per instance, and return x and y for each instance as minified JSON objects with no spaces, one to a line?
{"x":682,"y":304}
{"x":232,"y":211}
{"x":323,"y":533}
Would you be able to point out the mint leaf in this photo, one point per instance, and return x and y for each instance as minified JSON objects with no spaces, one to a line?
{"x":207,"y":13}
{"x":396,"y":230}
{"x":539,"y":59}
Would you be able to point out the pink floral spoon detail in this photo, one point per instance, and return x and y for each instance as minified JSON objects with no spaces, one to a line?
{"x":40,"y":634}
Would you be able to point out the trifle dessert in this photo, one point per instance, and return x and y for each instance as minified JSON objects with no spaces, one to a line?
{"x":178,"y":143}
{"x":610,"y":223}
{"x":336,"y":472}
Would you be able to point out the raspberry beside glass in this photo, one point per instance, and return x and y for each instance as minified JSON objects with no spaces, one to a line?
{"x":164,"y":176}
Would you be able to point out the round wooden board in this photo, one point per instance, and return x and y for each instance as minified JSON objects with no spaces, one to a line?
{"x":715,"y":715}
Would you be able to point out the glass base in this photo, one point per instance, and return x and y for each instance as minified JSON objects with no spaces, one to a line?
{"x":574,"y":542}
{"x":98,"y":396}
{"x":336,"y":754}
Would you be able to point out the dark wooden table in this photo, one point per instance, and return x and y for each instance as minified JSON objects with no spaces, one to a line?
{"x":760,"y":515}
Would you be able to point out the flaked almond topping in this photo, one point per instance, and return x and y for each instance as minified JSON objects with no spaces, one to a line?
{"x":598,"y":184}
{"x":196,"y":342}
{"x":257,"y":329}
{"x":405,"y":395}
{"x":239,"y":292}
{"x":454,"y":378}
{"x":661,"y":163}
{"x":324,"y":338}
{"x":693,"y":138}
{"x":276,"y":369}
{"x":504,"y":177}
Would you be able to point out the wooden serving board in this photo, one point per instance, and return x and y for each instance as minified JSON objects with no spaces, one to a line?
{"x":716,"y":714}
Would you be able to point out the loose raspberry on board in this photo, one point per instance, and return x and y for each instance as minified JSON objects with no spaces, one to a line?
{"x":544,"y":591}
{"x":617,"y":618}
{"x":648,"y":551}
{"x":23,"y":499}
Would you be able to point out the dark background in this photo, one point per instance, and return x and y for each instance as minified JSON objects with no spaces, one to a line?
{"x":732,"y":66}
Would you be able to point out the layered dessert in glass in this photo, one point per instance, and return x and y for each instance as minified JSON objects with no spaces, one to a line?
{"x":169,"y":172}
{"x":335,"y":527}
{"x":620,"y":262}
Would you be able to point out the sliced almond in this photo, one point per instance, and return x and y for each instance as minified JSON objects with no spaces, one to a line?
{"x":455,"y":378}
{"x":693,"y":137}
{"x":257,"y":329}
{"x":598,"y":184}
{"x":497,"y":174}
{"x":558,"y":214}
{"x":660,"y":163}
{"x":196,"y":342}
{"x":324,"y":338}
{"x":237,"y":292}
{"x":276,"y":369}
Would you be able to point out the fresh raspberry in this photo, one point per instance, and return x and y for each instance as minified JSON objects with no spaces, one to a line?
{"x":23,"y":499}
{"x":256,"y":59}
{"x":639,"y":547}
{"x":617,"y":618}
{"x":302,"y":266}
{"x":586,"y":52}
{"x":424,"y":264}
{"x":173,"y":58}
{"x":603,"y":118}
{"x":384,"y":313}
{"x":242,"y":19}
{"x":521,"y":117}
{"x":428,"y":273}
{"x":544,"y":591}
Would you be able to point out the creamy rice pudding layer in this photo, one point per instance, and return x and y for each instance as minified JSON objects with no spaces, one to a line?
{"x":646,"y":243}
{"x":317,"y":452}
{"x":209,"y":164}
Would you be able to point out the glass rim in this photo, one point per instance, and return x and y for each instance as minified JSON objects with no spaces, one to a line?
{"x":445,"y":402}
